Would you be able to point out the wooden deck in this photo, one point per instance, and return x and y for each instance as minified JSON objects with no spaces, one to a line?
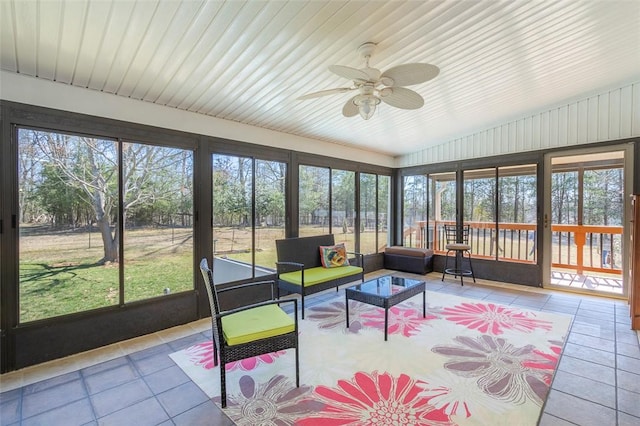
{"x":604,"y":283}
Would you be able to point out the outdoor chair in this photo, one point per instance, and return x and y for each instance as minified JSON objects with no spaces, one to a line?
{"x":249,"y":331}
{"x":457,"y":242}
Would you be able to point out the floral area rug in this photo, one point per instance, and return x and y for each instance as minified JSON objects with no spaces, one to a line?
{"x":469,"y":362}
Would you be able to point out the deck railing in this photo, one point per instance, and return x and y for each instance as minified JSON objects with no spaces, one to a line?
{"x":577,"y":248}
{"x":587,"y":248}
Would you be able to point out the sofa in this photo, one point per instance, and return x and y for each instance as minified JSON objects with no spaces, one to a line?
{"x":300,"y":269}
{"x":408,"y":259}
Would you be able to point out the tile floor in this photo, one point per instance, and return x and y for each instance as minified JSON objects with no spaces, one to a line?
{"x":136,"y":383}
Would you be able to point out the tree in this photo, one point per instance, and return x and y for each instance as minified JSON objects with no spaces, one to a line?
{"x":66,"y":204}
{"x":90,"y":165}
{"x":231,"y":190}
{"x":415,"y":206}
{"x":314,"y":194}
{"x":343,"y":194}
{"x":270,"y":192}
{"x":564,"y":197}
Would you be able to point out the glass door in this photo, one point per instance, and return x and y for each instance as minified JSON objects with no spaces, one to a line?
{"x":585,"y":220}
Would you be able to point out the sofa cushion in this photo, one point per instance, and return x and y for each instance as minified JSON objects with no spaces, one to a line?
{"x":334,"y":256}
{"x":319,"y":275}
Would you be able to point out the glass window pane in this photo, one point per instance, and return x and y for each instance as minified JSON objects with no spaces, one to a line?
{"x":270,"y":212}
{"x":368,"y":209}
{"x":603,"y":196}
{"x":480,"y":212}
{"x":415,"y":210}
{"x":603,"y":216}
{"x":564,"y":197}
{"x":232,"y":227}
{"x":343,"y":207}
{"x":68,"y":189}
{"x":442,"y":200}
{"x":518,"y":213}
{"x":313,"y":193}
{"x":158,"y":224}
{"x":384,"y":213}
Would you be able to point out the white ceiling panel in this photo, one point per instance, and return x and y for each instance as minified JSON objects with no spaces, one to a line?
{"x":249,"y":61}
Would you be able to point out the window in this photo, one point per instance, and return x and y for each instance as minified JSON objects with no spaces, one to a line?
{"x":507,"y":233}
{"x":71,"y":211}
{"x":480,"y":211}
{"x":247,"y":217}
{"x":232,"y":221}
{"x":499,"y":204}
{"x":442,"y":207}
{"x":415,"y":210}
{"x":270,"y":211}
{"x":343,"y":204}
{"x":587,"y":209}
{"x":517,"y":195}
{"x":374,"y":205}
{"x":313,"y":190}
{"x":328,"y":204}
{"x":384,"y":212}
{"x":429,"y":202}
{"x":158,"y":220}
{"x":368,"y":213}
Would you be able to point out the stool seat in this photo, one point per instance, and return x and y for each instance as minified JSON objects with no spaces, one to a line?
{"x":457,"y":246}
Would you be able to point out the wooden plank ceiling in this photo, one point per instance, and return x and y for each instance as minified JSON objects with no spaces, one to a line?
{"x":248,"y":61}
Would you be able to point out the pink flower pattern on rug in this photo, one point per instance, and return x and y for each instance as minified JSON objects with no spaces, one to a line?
{"x":502,"y":370}
{"x":546,"y":361}
{"x":202,"y":354}
{"x":375,"y":399}
{"x":401,"y":320}
{"x":492,"y":319}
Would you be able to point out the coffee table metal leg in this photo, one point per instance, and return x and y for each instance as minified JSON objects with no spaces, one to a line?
{"x":346,"y":305}
{"x":386,"y":322}
{"x":424,"y":304}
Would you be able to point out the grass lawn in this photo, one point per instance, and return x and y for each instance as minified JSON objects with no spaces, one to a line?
{"x":60,"y":273}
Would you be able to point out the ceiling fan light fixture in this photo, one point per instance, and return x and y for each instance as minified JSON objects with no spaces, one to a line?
{"x":375,"y":86}
{"x":366,"y":105}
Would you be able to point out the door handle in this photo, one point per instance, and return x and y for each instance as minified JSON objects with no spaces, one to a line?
{"x":546,"y":220}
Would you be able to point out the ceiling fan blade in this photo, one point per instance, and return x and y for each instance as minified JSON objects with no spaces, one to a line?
{"x":349,"y":73}
{"x":350,"y":109}
{"x":403,"y":98}
{"x":408,"y":74}
{"x":325,"y":93}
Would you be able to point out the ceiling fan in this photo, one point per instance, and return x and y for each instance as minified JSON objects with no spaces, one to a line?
{"x":374,"y":86}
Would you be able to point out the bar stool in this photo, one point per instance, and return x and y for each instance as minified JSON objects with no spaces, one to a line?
{"x":457,"y":241}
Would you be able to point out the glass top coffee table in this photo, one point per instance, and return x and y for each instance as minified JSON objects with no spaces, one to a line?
{"x":385,"y":292}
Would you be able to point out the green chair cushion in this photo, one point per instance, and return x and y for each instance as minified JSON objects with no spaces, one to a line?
{"x":255,"y":324}
{"x":319,"y":275}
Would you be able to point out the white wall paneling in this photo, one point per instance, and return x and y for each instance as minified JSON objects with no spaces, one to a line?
{"x":610,"y":115}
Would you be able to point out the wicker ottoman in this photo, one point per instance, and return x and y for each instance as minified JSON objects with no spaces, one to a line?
{"x":408,"y":259}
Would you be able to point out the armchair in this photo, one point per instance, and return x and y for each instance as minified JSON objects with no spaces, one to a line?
{"x":250,"y":330}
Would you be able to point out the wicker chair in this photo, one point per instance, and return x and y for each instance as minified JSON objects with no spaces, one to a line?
{"x":251,"y":330}
{"x":457,"y":239}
